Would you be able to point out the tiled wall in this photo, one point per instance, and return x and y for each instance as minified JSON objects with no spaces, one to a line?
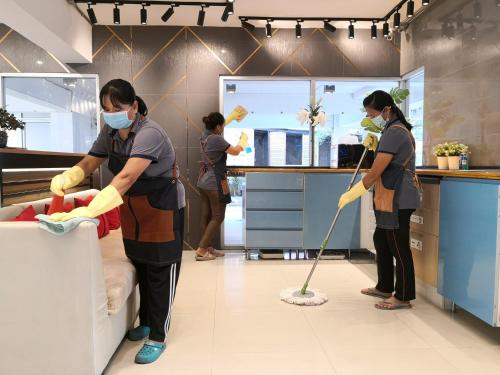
{"x":176,"y":70}
{"x":462,"y":77}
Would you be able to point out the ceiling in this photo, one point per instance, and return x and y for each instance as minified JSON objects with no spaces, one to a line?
{"x":187,"y":16}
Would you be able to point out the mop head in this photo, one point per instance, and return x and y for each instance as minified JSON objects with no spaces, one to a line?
{"x":310,"y":298}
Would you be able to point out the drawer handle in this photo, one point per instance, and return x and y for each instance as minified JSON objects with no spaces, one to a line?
{"x":417,"y":219}
{"x":416,"y":244}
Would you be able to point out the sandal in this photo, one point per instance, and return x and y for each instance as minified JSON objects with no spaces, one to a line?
{"x":149,"y":352}
{"x":374,"y":292}
{"x":215,"y":252}
{"x":204,"y":258}
{"x":386,"y":305}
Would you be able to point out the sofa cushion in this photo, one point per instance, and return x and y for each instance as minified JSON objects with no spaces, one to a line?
{"x":28,"y":214}
{"x":119,"y":272}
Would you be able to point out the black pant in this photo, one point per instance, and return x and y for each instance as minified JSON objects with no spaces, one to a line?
{"x":393,"y":244}
{"x":212,"y":215}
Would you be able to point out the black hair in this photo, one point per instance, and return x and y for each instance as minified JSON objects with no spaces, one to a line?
{"x":379,"y":100}
{"x":213,"y":120}
{"x":121,"y":92}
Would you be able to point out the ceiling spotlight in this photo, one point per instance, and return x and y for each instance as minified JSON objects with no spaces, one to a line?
{"x":410,"y":9}
{"x":116,"y":14}
{"x":247,"y":25}
{"x":478,"y":12}
{"x":497,"y":3}
{"x":144,"y":15}
{"x":425,"y":2}
{"x":329,"y":27}
{"x":225,"y":15}
{"x":397,"y":20}
{"x":473,"y":32}
{"x":169,"y":13}
{"x":91,"y":14}
{"x":231,"y":88}
{"x":230,"y":1}
{"x":386,"y":29}
{"x":374,"y":30}
{"x":230,"y":8}
{"x":460,"y":21}
{"x":329,"y":89}
{"x":449,"y":31}
{"x":351,"y":31}
{"x":201,"y":17}
{"x":269,"y":30}
{"x":298,"y":30}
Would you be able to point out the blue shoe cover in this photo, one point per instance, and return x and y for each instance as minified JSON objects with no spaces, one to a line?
{"x":149,"y":352}
{"x":138,"y":333}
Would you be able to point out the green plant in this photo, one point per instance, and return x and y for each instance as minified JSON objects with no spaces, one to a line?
{"x":398,"y":95}
{"x":440,"y":150}
{"x":450,"y":149}
{"x":9,"y":121}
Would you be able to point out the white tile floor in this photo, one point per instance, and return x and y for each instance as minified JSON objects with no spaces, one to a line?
{"x":228,"y":319}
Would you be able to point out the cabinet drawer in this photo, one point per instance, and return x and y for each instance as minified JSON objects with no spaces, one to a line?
{"x":274,"y":220}
{"x":275,"y":200}
{"x":275,"y":181}
{"x":424,"y":248}
{"x":430,"y":196}
{"x":273,"y":239}
{"x":425,"y":221}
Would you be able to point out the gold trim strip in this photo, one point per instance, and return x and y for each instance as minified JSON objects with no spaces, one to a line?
{"x":6,"y":35}
{"x":254,"y":38}
{"x":339,"y":50}
{"x":293,"y":52}
{"x":157,"y":54}
{"x":247,"y":59}
{"x":167,"y":93}
{"x":9,"y":62}
{"x":119,"y":38}
{"x":188,"y":245}
{"x":103,"y":45}
{"x":296,"y":61}
{"x":59,"y":62}
{"x":210,"y":50}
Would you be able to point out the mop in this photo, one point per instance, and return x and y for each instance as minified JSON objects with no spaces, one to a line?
{"x":312,"y":297}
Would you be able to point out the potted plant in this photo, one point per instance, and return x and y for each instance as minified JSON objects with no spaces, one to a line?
{"x":456,"y":149}
{"x":440,"y":151}
{"x":8,"y":122}
{"x":398,"y":95}
{"x":314,"y":116}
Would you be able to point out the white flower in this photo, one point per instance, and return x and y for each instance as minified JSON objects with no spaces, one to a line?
{"x":302,"y":116}
{"x":320,"y":119}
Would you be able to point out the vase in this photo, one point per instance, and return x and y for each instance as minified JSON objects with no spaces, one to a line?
{"x":454,"y":163}
{"x":442,"y":162}
{"x":3,"y":139}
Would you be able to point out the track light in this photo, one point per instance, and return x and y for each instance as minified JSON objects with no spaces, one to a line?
{"x":386,"y":29}
{"x":228,"y":10}
{"x":460,"y":21}
{"x":247,"y":25}
{"x":298,"y":30}
{"x":374,"y":30}
{"x":497,"y":3}
{"x":351,"y":30}
{"x":329,"y":27}
{"x":269,"y":30}
{"x":201,"y":17}
{"x":473,"y":32}
{"x":144,"y":15}
{"x":410,"y":9}
{"x":425,"y":2}
{"x":478,"y":12}
{"x":169,"y":13}
{"x":397,"y":20}
{"x":116,"y":14}
{"x":91,"y":14}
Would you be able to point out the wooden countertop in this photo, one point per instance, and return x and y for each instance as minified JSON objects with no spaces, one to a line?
{"x":493,"y":174}
{"x":22,"y":151}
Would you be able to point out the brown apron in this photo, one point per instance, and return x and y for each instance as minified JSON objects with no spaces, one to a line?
{"x":149,"y":216}
{"x":219,"y":168}
{"x":387,"y":189}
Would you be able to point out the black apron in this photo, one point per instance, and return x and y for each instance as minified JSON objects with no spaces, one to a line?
{"x":387,"y":188}
{"x":219,"y":167}
{"x":149,"y":215}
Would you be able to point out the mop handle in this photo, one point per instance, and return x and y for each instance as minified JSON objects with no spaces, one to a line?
{"x":332,"y":226}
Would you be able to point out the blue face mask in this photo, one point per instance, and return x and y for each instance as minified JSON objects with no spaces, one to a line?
{"x":117,"y":120}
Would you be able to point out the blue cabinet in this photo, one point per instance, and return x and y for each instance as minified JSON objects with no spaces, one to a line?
{"x":468,"y":246}
{"x":322,"y":193}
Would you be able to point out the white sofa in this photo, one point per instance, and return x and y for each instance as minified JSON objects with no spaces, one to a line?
{"x":66,"y":302}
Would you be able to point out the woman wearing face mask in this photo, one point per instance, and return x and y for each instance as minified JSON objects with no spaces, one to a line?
{"x":212,"y":181}
{"x":142,"y":159}
{"x":396,"y":196}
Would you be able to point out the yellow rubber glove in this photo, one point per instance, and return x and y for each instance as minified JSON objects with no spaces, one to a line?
{"x":238,"y":114}
{"x":106,"y":200}
{"x":356,"y":191}
{"x":243,"y":140}
{"x":371,"y":141}
{"x":66,"y":180}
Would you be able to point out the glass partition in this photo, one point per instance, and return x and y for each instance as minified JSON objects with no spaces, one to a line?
{"x":60,"y":111}
{"x":415,"y":110}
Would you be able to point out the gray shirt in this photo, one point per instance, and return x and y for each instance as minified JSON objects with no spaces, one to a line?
{"x":215,"y":148}
{"x":397,"y":141}
{"x":150,"y":142}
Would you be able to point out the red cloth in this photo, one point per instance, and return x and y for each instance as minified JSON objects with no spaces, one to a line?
{"x":28,"y":214}
{"x":66,"y":207}
{"x":56,"y":205}
{"x":103,"y":227}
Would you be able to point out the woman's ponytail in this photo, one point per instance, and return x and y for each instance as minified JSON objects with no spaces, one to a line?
{"x":142,"y":107}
